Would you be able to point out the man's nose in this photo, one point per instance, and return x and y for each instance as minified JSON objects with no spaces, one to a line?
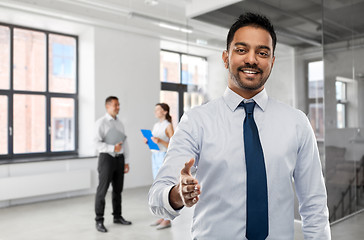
{"x":251,"y":58}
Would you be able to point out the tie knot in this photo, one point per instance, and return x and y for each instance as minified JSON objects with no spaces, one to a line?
{"x":249,"y":107}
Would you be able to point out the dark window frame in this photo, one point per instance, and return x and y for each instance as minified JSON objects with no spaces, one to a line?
{"x":30,"y":157}
{"x":180,"y":87}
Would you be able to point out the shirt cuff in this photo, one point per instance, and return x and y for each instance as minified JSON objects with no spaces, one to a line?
{"x":166,"y":203}
{"x":110,"y":148}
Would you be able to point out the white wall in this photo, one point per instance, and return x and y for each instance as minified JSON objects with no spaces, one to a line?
{"x":217,"y":76}
{"x":281,"y":83}
{"x":127,"y":66}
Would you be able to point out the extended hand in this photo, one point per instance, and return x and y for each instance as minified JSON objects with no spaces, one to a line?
{"x":189,"y":187}
{"x":186,"y":192}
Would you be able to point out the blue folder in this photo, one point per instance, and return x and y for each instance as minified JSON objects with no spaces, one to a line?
{"x":148,"y":135}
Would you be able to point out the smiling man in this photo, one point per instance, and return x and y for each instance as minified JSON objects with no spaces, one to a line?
{"x":245,"y":151}
{"x":112,"y":146}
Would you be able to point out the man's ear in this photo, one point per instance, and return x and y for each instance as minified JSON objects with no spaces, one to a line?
{"x":225,"y":58}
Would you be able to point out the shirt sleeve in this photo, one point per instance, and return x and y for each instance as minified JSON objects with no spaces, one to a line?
{"x":100,"y":145}
{"x":310,"y":186}
{"x":183,"y":146}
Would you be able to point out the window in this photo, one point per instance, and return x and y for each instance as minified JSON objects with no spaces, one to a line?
{"x":315,"y":97}
{"x":341,"y":102}
{"x":38,"y":93}
{"x":183,"y":78}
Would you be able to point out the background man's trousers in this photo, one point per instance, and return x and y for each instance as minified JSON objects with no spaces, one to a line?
{"x":111,"y":170}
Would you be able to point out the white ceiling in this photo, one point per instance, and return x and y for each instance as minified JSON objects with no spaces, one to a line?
{"x":134,"y":16}
{"x":298,"y":23}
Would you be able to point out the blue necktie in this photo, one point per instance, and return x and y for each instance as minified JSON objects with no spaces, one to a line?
{"x":257,"y":197}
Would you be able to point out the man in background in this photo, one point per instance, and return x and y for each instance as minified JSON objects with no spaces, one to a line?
{"x":111,"y":144}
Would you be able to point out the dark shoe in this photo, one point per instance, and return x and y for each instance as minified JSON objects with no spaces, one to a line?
{"x":100,"y":227}
{"x":121,"y":220}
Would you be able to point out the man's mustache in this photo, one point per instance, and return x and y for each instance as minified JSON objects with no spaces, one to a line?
{"x":250,"y":67}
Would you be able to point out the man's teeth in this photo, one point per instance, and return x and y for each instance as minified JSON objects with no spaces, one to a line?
{"x":250,"y":72}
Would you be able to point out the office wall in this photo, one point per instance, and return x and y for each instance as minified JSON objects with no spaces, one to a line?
{"x":281,"y":83}
{"x":217,"y":76}
{"x":127,"y":66}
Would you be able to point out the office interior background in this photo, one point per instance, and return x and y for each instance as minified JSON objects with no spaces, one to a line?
{"x":59,"y":60}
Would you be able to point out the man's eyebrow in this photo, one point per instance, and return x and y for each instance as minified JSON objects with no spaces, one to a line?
{"x":241,"y":43}
{"x":263,"y":47}
{"x":258,"y":47}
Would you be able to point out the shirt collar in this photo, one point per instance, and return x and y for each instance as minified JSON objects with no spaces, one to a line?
{"x":233,"y":99}
{"x":109,"y":117}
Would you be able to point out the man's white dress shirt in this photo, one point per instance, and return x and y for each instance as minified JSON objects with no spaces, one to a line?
{"x":103,"y":125}
{"x":213,"y":135}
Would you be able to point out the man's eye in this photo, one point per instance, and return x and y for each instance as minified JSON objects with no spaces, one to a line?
{"x":263,"y":54}
{"x":240,"y":50}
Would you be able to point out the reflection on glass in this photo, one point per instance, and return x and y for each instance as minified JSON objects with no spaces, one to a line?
{"x":171,"y":98}
{"x":344,"y":115}
{"x":62,"y":124}
{"x":192,"y":99}
{"x":316,"y":113}
{"x":3,"y":125}
{"x":29,"y":121}
{"x":340,"y":111}
{"x":169,"y":67}
{"x":341,"y":104}
{"x":340,"y":90}
{"x":316,"y":79}
{"x":29,"y":60}
{"x":194,"y":70}
{"x":315,"y":95}
{"x":4,"y":57}
{"x":62,"y":64}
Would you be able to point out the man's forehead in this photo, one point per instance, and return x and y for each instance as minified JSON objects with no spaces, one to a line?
{"x":113,"y":101}
{"x":241,"y":36}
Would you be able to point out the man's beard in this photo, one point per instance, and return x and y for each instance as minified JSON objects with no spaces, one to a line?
{"x":236,"y":78}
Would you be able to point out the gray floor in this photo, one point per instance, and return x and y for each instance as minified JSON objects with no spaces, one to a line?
{"x":72,"y":219}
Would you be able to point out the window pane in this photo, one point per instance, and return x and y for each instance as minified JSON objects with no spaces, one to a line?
{"x":194,"y":70}
{"x":192,"y":99}
{"x":29,"y":123}
{"x":315,"y":79}
{"x":171,"y":98}
{"x":62,"y":124}
{"x":340,"y":90}
{"x":3,"y":125}
{"x":316,"y":115}
{"x":29,"y":60}
{"x":340,"y":108}
{"x":62,"y":64}
{"x":4,"y":57}
{"x":170,"y":64}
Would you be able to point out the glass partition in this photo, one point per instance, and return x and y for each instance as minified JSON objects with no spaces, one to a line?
{"x":344,"y":106}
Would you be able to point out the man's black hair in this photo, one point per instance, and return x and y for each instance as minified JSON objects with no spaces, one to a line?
{"x":254,"y":20}
{"x":110,"y":98}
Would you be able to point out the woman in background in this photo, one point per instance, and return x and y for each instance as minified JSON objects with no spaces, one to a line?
{"x":162,"y":133}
